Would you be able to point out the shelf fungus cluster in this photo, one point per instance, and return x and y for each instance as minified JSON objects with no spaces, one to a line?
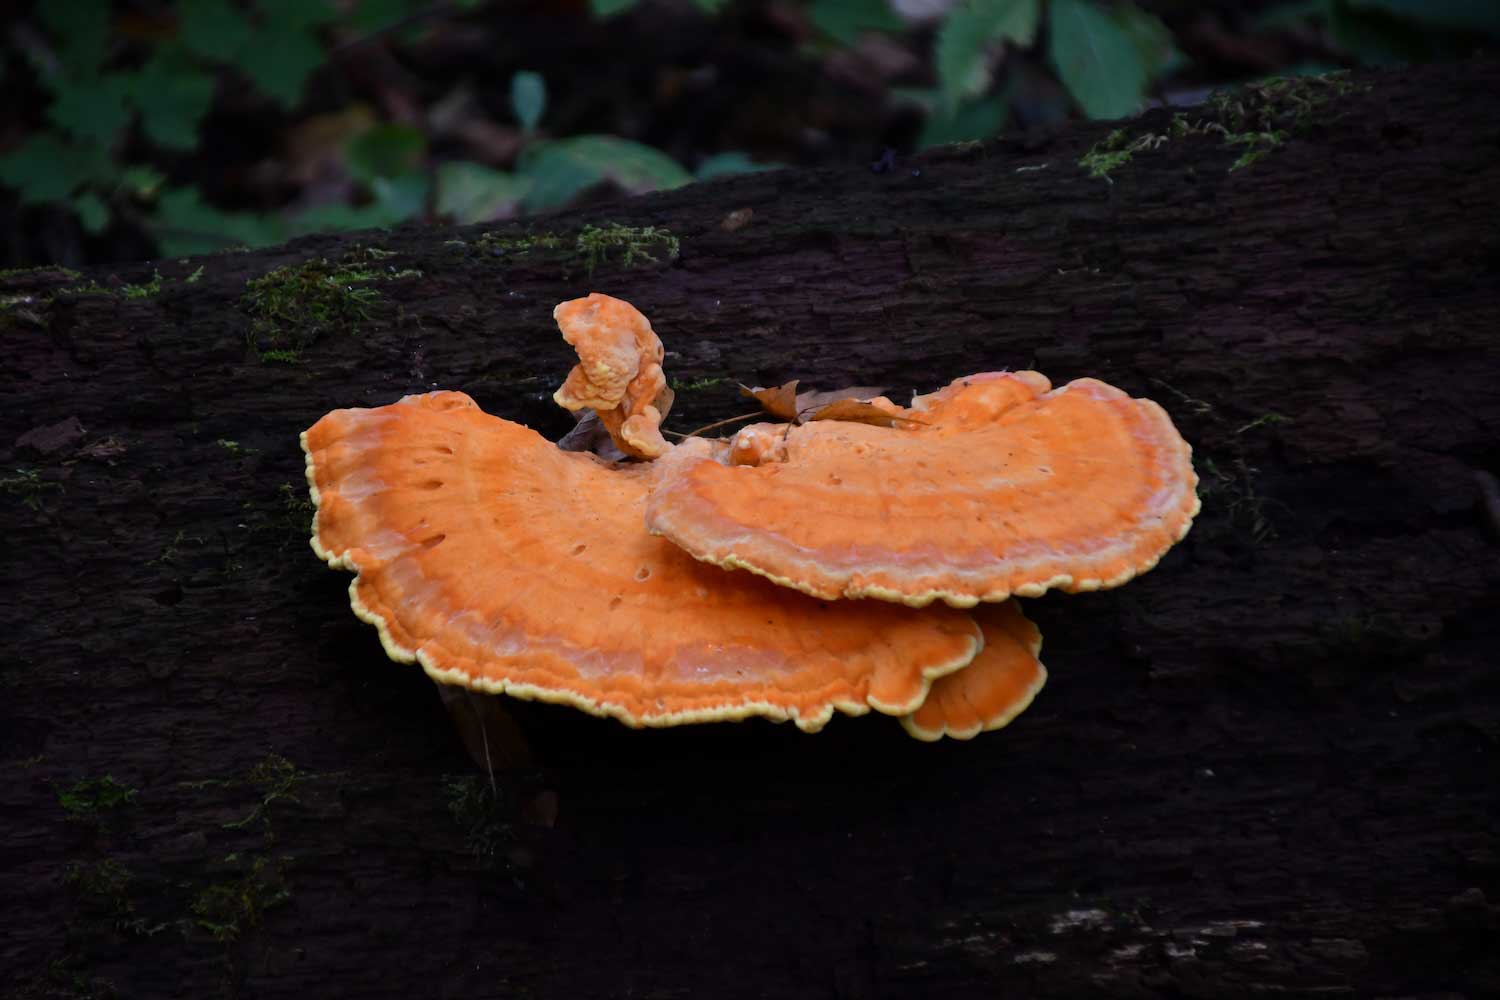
{"x":882,"y":556}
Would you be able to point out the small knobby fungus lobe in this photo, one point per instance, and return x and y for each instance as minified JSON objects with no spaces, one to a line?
{"x":997,"y":485}
{"x":992,"y":690}
{"x":618,"y":374}
{"x":503,"y":564}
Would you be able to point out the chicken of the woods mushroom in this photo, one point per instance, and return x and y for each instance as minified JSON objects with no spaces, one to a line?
{"x":503,"y":564}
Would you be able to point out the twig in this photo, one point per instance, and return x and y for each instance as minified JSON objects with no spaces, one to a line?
{"x":716,"y":425}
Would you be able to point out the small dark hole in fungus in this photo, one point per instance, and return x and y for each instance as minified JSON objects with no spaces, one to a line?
{"x":433,"y":542}
{"x":578,"y":549}
{"x":644,"y":573}
{"x":432,"y":484}
{"x":443,"y":449}
{"x":615,"y":602}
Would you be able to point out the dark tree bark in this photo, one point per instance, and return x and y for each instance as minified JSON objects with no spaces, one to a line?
{"x":1269,"y":766}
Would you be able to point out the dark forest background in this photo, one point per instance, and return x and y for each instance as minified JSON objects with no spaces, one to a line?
{"x":1266,"y":768}
{"x":144,"y":129}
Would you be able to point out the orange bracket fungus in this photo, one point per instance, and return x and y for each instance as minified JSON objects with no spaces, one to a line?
{"x":993,"y":689}
{"x":505,"y":564}
{"x":618,"y":374}
{"x":997,"y":485}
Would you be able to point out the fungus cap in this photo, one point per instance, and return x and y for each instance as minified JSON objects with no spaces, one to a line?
{"x":1004,"y":487}
{"x":992,"y":690}
{"x":503,"y":564}
{"x":619,"y":373}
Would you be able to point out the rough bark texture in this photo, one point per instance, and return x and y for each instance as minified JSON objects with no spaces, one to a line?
{"x":1267,"y":767}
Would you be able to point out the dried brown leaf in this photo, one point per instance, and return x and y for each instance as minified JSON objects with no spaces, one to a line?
{"x":812,"y":399}
{"x":589,"y":434}
{"x":858,"y":412}
{"x":664,"y":400}
{"x":780,"y":402}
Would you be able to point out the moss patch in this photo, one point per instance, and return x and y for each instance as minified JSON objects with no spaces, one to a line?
{"x":519,"y":245}
{"x":285,"y":521}
{"x":45,"y":270}
{"x":87,"y":288}
{"x":235,"y":448}
{"x":91,"y":798}
{"x":228,"y":909}
{"x":1256,"y":119}
{"x":1232,"y":486}
{"x":275,"y":777}
{"x":292,"y":307}
{"x":476,"y":808}
{"x":102,"y":889}
{"x":172,"y":553}
{"x":698,"y":384}
{"x":593,"y":246}
{"x":1115,"y":150}
{"x":625,"y":245}
{"x":28,"y":486}
{"x":145,"y":290}
{"x":64,"y":979}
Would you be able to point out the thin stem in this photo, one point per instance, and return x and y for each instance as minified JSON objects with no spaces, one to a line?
{"x":716,"y":425}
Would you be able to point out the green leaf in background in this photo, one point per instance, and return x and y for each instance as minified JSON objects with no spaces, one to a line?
{"x":45,"y":168}
{"x":336,"y":217}
{"x":1152,"y":38}
{"x":185,"y":225}
{"x":960,"y":51}
{"x":724,"y":164}
{"x":845,"y":20}
{"x":969,"y":120}
{"x":609,"y":8}
{"x":528,"y":98}
{"x":142,"y":180}
{"x":81,"y":31}
{"x":91,"y":108}
{"x":1096,"y":59}
{"x":387,"y":151}
{"x":562,"y":168}
{"x":296,"y":13}
{"x":280,"y":57}
{"x":92,"y":212}
{"x":398,"y":198}
{"x":960,"y":55}
{"x":173,"y":95}
{"x":471,"y":192}
{"x":376,"y":15}
{"x":213,"y":29}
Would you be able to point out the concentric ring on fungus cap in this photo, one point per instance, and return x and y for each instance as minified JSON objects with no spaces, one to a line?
{"x":506,"y":565}
{"x":991,"y":691}
{"x":1006,"y":487}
